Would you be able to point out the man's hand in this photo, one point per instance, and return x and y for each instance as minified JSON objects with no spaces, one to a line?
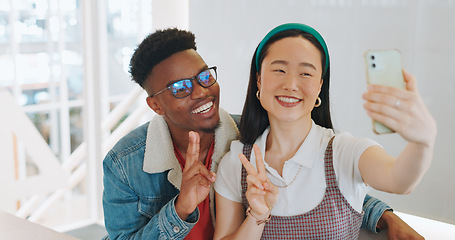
{"x":196,"y":180}
{"x":396,"y":228}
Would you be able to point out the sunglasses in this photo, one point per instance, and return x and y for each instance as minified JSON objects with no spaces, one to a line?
{"x":183,"y":88}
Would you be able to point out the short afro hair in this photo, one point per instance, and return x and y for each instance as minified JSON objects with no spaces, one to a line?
{"x":155,"y":48}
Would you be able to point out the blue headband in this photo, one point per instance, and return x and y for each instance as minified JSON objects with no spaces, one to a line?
{"x":297,"y":26}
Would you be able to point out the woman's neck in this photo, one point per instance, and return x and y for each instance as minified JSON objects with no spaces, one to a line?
{"x":284,"y":140}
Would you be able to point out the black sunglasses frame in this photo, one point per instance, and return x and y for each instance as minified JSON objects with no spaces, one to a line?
{"x":169,"y":86}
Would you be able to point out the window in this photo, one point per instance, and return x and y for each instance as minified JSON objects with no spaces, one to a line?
{"x":42,"y":59}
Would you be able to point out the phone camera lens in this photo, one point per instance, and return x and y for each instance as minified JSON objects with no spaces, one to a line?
{"x":373,"y":65}
{"x":372,"y":57}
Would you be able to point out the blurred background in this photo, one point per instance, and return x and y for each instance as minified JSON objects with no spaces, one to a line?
{"x":228,"y":33}
{"x":65,"y":65}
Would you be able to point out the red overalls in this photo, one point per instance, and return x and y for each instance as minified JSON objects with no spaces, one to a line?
{"x":333,"y":218}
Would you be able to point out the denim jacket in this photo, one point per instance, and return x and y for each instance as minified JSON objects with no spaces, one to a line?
{"x":142,"y":179}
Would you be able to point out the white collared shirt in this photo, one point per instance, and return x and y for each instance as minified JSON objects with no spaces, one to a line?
{"x":307,"y":191}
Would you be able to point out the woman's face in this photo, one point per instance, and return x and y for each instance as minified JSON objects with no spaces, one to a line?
{"x":290,"y":79}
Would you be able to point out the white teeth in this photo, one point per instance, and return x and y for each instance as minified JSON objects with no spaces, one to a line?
{"x":203,"y":109}
{"x":288,"y":100}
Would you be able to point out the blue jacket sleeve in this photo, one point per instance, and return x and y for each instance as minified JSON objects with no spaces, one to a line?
{"x":373,"y":209}
{"x":123,"y":219}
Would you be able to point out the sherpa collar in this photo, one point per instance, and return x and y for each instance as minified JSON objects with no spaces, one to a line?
{"x":159,"y":151}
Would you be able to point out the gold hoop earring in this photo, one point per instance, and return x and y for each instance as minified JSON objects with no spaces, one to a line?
{"x":257,"y":95}
{"x":318,"y":102}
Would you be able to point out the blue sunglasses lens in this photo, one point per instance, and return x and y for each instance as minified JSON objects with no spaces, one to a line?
{"x":206,"y":78}
{"x":182,"y":88}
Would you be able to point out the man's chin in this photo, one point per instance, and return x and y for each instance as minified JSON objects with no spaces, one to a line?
{"x":211,"y":129}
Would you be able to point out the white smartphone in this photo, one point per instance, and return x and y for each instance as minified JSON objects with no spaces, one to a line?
{"x":384,"y":67}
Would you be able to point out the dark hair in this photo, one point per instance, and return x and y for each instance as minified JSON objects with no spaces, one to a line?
{"x":155,"y":48}
{"x":254,"y":118}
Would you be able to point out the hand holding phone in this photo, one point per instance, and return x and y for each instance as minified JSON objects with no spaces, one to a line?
{"x":384,"y":67}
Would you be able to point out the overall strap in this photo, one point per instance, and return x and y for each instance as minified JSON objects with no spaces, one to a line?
{"x":330,"y":177}
{"x":244,"y":185}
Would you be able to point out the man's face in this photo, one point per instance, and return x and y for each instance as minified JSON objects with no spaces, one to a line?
{"x":197,"y":112}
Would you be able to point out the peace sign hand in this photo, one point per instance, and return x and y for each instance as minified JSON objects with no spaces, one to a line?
{"x":262,"y":194}
{"x":196,"y":179}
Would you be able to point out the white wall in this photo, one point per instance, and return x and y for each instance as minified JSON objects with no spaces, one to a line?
{"x":227,"y":33}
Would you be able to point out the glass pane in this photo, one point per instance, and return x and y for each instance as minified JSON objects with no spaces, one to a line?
{"x":42,"y":123}
{"x":76,"y":124}
{"x":122,"y":30}
{"x":7,"y":76}
{"x":35,"y":96}
{"x":73,"y":62}
{"x":5,"y":29}
{"x":48,"y":124}
{"x":113,"y":105}
{"x":35,"y":74}
{"x":31,"y":22}
{"x":123,"y":18}
{"x":72,"y":22}
{"x":33,"y":68}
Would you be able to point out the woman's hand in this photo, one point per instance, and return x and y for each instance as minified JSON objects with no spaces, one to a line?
{"x":402,"y":110}
{"x":261,"y":193}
